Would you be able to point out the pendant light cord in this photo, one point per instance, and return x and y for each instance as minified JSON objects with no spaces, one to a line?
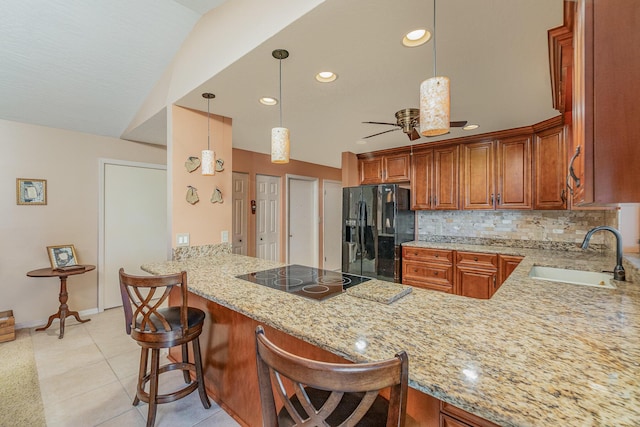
{"x":435,"y":34}
{"x":208,"y":125}
{"x":280,"y":95}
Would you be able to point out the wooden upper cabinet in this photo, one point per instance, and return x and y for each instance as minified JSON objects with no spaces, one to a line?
{"x":605,"y":101}
{"x":371,"y":170}
{"x":477,"y":176}
{"x":550,"y":163}
{"x":497,"y":175}
{"x":434,"y":178}
{"x":385,"y":169}
{"x":396,"y":168}
{"x":513,"y":173}
{"x":421,"y":179}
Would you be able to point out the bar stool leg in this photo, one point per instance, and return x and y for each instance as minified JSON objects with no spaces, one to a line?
{"x":199,"y":375}
{"x":142,"y":371}
{"x":153,"y":387}
{"x":185,"y":359}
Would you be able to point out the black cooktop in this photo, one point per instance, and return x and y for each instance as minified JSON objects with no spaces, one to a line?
{"x":305,"y":281}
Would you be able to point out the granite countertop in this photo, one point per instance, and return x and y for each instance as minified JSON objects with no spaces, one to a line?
{"x":537,"y":353}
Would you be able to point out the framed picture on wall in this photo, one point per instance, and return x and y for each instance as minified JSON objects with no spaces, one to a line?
{"x":62,"y":256}
{"x":31,"y":191}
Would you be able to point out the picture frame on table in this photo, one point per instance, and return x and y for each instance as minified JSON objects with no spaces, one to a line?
{"x":31,"y":191}
{"x":63,"y":257}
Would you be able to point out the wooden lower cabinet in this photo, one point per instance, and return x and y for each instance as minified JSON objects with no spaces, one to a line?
{"x":506,"y":265}
{"x":228,"y":351}
{"x":428,"y":268}
{"x":470,"y":274}
{"x":452,"y":416}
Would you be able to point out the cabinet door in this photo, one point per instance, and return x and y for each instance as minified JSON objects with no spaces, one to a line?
{"x":421,"y":178}
{"x":604,"y":106}
{"x":475,"y":282}
{"x":447,"y":421}
{"x":445,"y":178}
{"x":478,"y":176}
{"x":396,"y":168}
{"x":549,"y":159}
{"x":506,"y":265}
{"x":513,"y":173}
{"x":371,"y":171}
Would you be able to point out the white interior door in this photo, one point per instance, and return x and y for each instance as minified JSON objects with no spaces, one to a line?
{"x":268,"y":217}
{"x":302,"y":205}
{"x":331,"y":225}
{"x":240,"y":202}
{"x":133,"y":223}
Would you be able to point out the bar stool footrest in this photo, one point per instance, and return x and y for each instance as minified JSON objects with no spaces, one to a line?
{"x":175,"y":395}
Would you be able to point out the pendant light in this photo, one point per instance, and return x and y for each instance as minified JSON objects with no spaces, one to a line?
{"x":434,"y":98}
{"x":208,"y":156}
{"x":280,"y":135}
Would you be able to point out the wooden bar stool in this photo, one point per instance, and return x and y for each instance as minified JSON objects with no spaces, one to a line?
{"x":330,"y":394}
{"x":155,"y":328}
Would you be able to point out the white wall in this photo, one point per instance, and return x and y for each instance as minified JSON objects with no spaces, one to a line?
{"x":69,"y":162}
{"x":629,"y":220}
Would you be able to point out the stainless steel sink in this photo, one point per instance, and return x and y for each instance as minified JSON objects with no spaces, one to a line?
{"x":574,"y":277}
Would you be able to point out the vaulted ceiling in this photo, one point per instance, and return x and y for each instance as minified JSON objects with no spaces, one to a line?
{"x":89,"y":66}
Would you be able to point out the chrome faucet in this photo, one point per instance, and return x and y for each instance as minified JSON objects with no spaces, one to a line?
{"x":618,"y":271}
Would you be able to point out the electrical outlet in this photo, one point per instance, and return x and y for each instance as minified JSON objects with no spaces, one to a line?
{"x":182,"y":239}
{"x":224,"y":236}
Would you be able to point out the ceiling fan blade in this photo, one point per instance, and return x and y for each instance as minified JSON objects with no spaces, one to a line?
{"x":459,"y":124}
{"x":413,"y":135}
{"x":382,"y":123}
{"x":380,"y":133}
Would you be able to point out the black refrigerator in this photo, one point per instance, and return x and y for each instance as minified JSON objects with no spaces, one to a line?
{"x":376,"y":221}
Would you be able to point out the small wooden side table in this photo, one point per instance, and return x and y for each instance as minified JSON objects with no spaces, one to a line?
{"x":63,"y":310}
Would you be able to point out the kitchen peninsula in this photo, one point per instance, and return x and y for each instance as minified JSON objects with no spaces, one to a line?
{"x":536,"y":353}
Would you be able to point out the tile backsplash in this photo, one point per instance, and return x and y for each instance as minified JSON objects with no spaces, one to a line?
{"x":566,"y":227}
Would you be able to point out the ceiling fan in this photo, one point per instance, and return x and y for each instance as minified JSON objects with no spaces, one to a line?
{"x":408,"y":119}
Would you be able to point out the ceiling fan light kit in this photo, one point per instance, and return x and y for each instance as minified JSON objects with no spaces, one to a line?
{"x":208,"y":156}
{"x":434,"y":106}
{"x":280,"y":135}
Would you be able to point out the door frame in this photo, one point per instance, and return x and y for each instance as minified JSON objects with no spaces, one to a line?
{"x":324,"y":218}
{"x":315,"y":220}
{"x":101,"y":227}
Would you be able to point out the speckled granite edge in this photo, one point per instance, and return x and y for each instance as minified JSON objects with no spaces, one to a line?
{"x":510,"y":243}
{"x":186,"y":252}
{"x":383,"y":292}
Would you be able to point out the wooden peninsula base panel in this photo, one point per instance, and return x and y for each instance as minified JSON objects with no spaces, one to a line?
{"x":229,"y":361}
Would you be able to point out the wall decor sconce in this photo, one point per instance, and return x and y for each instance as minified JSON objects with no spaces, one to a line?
{"x":192,"y":164}
{"x":219,"y":165}
{"x":208,"y":156}
{"x":216,"y":197}
{"x":192,"y":195}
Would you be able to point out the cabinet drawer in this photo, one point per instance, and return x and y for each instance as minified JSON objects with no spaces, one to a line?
{"x":420,"y":272}
{"x":475,"y":259}
{"x":427,"y":255}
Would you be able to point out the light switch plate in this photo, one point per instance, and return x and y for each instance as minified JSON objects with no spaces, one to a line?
{"x":182,"y":239}
{"x":224,"y":236}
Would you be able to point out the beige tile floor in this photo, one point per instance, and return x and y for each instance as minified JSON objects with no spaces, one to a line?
{"x":88,"y":378}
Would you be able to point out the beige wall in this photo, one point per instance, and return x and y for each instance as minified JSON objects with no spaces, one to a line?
{"x":69,"y":162}
{"x":204,"y":221}
{"x":256,"y":163}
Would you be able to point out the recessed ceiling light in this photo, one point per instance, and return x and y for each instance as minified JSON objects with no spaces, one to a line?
{"x":361,"y":142}
{"x":416,"y":37}
{"x":267,"y":100}
{"x":326,"y":76}
{"x":470,"y":127}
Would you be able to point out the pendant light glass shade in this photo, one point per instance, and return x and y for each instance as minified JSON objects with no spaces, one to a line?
{"x":280,"y":135}
{"x":208,"y":164}
{"x":279,"y":145}
{"x":434,"y":106}
{"x":435,"y":98}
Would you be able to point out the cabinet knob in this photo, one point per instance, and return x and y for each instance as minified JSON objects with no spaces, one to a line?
{"x":435,"y":273}
{"x":475,"y":258}
{"x":437,"y":255}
